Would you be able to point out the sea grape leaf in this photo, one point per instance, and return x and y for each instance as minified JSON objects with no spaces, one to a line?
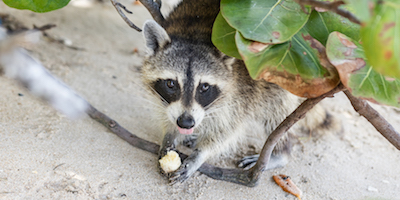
{"x":223,"y":37}
{"x":321,"y":24}
{"x":299,"y":65}
{"x":357,"y":74}
{"x":381,"y":39}
{"x":266,"y":21}
{"x":39,"y":6}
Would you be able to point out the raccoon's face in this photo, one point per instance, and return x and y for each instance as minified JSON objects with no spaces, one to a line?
{"x":188,"y":78}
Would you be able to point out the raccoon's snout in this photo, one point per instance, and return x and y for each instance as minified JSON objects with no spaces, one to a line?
{"x":185,"y":121}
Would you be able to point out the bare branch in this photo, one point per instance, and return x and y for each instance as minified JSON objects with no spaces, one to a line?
{"x":121,"y":132}
{"x":154,"y":6}
{"x":113,"y":126}
{"x":381,"y":125}
{"x":298,"y":114}
{"x":251,"y":176}
{"x":118,"y":6}
{"x":330,"y":6}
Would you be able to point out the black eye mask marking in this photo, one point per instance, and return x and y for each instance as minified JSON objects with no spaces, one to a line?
{"x":206,"y":94}
{"x":168,"y":89}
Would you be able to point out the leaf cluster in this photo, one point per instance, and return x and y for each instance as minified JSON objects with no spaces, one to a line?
{"x":309,"y":51}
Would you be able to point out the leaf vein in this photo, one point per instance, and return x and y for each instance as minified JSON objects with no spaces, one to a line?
{"x":365,"y":77}
{"x":266,"y":16}
{"x":308,"y":53}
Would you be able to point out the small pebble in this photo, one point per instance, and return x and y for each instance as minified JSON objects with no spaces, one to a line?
{"x":67,"y":42}
{"x":372,"y":189}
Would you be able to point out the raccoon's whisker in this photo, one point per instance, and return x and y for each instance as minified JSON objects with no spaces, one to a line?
{"x":163,"y":100}
{"x":215,"y":109}
{"x":146,"y":88}
{"x":154,"y":94}
{"x":150,"y":102}
{"x":212,"y":103}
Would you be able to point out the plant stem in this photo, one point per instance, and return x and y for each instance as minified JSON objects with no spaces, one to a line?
{"x":381,"y":125}
{"x":330,"y":6}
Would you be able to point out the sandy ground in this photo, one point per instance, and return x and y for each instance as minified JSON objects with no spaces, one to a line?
{"x":44,"y":155}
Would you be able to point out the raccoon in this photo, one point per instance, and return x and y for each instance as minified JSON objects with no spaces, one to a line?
{"x":207,"y":97}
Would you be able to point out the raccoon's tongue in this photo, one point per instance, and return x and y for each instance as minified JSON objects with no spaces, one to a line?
{"x":185,"y":131}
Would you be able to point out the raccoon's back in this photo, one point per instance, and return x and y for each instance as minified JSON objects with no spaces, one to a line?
{"x":192,"y":20}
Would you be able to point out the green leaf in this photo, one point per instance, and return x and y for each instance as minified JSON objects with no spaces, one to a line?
{"x":294,"y":65}
{"x":321,"y":24}
{"x":266,"y":21}
{"x":223,"y":37}
{"x":357,"y":74}
{"x":37,"y":5}
{"x":381,"y":39}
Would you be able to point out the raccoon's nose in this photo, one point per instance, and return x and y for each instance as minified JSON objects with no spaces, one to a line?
{"x":185,"y":121}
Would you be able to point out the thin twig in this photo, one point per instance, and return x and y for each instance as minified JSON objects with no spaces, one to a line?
{"x":118,"y":6}
{"x":381,"y":125}
{"x":44,"y":27}
{"x":120,"y":131}
{"x":330,"y":6}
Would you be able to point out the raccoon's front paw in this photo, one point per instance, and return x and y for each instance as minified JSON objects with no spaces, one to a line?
{"x":182,"y":174}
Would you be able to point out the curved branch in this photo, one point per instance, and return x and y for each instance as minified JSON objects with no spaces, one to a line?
{"x":381,"y":125}
{"x":140,"y":143}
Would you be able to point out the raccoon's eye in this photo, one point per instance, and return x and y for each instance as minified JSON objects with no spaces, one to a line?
{"x":170,"y":83}
{"x":204,"y":87}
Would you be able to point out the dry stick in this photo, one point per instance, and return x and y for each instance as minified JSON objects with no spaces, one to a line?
{"x":120,"y":131}
{"x":274,"y":137}
{"x":118,"y":6}
{"x":250,"y":177}
{"x":239,"y":176}
{"x":154,"y":6}
{"x":136,"y":141}
{"x":381,"y":125}
{"x":331,"y":6}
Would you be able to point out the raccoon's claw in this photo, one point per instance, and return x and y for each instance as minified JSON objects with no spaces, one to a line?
{"x":248,"y":162}
{"x":180,"y":175}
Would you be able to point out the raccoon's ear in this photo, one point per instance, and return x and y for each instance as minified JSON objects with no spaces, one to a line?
{"x":155,"y":35}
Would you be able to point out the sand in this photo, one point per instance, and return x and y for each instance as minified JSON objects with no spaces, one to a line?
{"x":45,"y":155}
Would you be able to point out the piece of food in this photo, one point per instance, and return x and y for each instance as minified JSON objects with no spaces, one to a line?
{"x":287,"y":185}
{"x":170,"y":162}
